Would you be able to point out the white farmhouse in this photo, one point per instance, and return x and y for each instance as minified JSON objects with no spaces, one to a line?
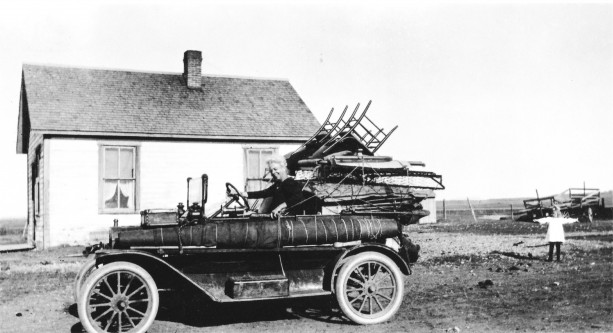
{"x":105,"y":144}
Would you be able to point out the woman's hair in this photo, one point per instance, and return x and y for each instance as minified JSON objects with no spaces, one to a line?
{"x":276,"y":160}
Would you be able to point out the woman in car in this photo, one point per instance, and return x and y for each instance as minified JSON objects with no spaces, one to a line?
{"x":286,"y":193}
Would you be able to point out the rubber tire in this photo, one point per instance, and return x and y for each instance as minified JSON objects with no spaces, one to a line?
{"x":98,"y":274}
{"x":341,"y":285}
{"x":86,"y":270}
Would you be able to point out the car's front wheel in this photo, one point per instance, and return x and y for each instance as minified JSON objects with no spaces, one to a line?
{"x":118,"y":297}
{"x":369,"y":288}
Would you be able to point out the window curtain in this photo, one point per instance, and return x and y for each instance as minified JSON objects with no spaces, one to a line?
{"x":126,"y":194}
{"x":110,"y":194}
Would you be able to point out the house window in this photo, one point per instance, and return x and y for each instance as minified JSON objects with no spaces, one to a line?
{"x":257,"y":176}
{"x":119,"y":177}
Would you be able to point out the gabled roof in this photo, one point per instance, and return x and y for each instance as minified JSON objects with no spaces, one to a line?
{"x":79,"y":101}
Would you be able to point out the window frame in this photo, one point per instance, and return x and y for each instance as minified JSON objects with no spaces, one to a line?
{"x":246,"y":149}
{"x":259,"y":148}
{"x":102,"y":146}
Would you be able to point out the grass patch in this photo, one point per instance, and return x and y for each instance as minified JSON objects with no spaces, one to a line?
{"x":12,"y":239}
{"x":13,"y":285}
{"x":4,"y":231}
{"x":37,"y":272}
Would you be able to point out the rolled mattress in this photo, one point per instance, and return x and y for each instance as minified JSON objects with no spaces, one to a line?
{"x":265,"y":234}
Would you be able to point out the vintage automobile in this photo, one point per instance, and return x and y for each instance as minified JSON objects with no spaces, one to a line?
{"x":358,"y":255}
{"x":236,"y":256}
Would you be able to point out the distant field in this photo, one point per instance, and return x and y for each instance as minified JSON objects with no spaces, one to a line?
{"x":485,"y":210}
{"x":494,"y":209}
{"x":13,"y":222}
{"x":481,"y":204}
{"x":503,"y":203}
{"x":11,"y":230}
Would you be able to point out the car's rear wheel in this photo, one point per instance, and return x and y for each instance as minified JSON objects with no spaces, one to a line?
{"x":369,"y":288}
{"x":118,"y":297}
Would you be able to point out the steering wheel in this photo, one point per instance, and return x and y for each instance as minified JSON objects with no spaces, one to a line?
{"x":236,"y":195}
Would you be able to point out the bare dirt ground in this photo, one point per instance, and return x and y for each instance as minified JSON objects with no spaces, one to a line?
{"x":526,"y":294}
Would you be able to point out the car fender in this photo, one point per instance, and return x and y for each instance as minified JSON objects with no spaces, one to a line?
{"x":164,"y":274}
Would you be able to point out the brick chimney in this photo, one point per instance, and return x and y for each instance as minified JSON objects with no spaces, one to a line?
{"x":192,"y":69}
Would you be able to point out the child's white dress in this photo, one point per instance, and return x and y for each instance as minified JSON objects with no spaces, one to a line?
{"x":555,"y":230}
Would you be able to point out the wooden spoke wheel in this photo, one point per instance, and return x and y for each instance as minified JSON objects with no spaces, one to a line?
{"x":369,"y":288}
{"x":589,"y":214}
{"x":118,"y":297}
{"x":85,"y":271}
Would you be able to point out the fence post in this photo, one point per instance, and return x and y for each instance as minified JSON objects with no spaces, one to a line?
{"x":471,"y":209}
{"x":512,"y":218}
{"x":24,"y":233}
{"x":444,"y":211}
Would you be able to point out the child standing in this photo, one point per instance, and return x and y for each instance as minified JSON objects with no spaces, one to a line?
{"x":555,"y":231}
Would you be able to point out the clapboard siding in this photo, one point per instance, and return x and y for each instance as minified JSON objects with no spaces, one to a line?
{"x":73,"y":192}
{"x":164,"y":168}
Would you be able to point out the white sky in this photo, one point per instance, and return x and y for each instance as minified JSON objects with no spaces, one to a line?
{"x":501,"y":99}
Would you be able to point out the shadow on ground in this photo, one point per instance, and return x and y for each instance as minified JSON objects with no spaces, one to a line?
{"x":196,"y":312}
{"x":516,"y":255}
